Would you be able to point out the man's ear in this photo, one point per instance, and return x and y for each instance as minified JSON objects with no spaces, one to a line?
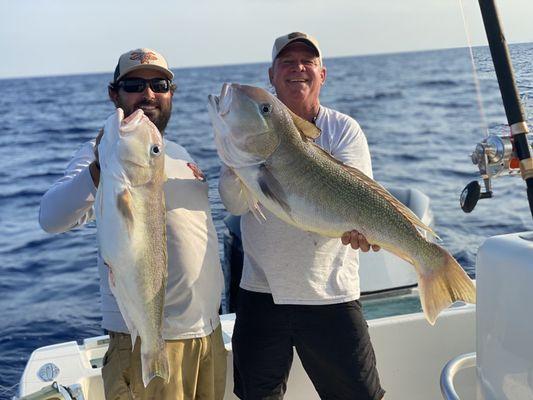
{"x":270,"y":75}
{"x":113,"y":95}
{"x":323,"y":74}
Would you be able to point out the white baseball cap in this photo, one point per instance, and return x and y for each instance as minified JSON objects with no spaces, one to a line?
{"x":141,"y":59}
{"x":285,"y":40}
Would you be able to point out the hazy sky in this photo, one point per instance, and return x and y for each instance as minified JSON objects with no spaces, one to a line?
{"x":55,"y":37}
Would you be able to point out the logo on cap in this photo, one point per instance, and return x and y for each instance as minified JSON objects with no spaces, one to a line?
{"x":143,"y":57}
{"x":295,"y":35}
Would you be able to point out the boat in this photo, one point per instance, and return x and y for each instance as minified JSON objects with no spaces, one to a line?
{"x":472,"y":351}
{"x":407,"y":348}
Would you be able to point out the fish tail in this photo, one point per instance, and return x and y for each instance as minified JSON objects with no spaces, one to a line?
{"x":443,"y":283}
{"x":155,"y":363}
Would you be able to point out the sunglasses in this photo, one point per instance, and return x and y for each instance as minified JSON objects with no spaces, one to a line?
{"x":138,"y":85}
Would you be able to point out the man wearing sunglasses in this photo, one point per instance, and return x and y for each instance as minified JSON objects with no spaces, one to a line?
{"x":195,"y":349}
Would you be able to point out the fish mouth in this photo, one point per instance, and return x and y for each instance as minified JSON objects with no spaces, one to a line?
{"x":213,"y":102}
{"x":222,"y":104}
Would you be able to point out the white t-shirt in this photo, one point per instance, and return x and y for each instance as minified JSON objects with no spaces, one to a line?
{"x":295,"y":266}
{"x":195,"y":280}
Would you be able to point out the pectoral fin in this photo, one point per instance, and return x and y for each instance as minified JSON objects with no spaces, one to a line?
{"x":253,"y":205}
{"x":125,"y":207}
{"x":111,"y":276}
{"x":272,"y":189}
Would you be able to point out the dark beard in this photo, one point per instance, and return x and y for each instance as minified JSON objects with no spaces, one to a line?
{"x":160,"y":119}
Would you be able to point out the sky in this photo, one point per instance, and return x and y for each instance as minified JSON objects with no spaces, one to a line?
{"x":62,"y":37}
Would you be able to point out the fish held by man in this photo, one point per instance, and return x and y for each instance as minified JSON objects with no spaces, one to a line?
{"x":271,"y":151}
{"x":130,"y":216}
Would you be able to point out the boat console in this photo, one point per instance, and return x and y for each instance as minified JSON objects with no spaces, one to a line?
{"x":504,"y":356}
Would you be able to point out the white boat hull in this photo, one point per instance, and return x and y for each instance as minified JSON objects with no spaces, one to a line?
{"x":410,"y":355}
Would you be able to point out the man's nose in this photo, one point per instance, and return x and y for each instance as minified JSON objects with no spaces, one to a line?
{"x":148,"y":93}
{"x":299,"y":66}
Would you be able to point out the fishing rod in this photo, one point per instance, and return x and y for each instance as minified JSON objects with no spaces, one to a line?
{"x":499,"y":155}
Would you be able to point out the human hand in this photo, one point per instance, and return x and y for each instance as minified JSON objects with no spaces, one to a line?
{"x":357,"y":241}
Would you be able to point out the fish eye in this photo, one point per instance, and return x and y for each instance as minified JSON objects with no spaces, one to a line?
{"x":155,"y":150}
{"x":266,"y":108}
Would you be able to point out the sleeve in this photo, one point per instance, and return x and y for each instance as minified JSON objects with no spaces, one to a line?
{"x":68,"y":203}
{"x":231,"y":193}
{"x":351,"y":147}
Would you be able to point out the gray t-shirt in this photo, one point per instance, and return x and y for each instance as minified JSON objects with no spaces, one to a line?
{"x":300,"y":267}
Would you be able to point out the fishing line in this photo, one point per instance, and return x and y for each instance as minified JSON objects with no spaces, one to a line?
{"x":484,"y":123}
{"x":7,"y":389}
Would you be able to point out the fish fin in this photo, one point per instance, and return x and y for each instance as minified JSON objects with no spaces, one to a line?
{"x":253,"y":204}
{"x":397,"y":252}
{"x":125,"y":206}
{"x":272,"y":189}
{"x":307,"y":129}
{"x":402,"y":208}
{"x":255,"y":208}
{"x":111,"y":276}
{"x":133,"y":335}
{"x":442,"y":285}
{"x":155,"y":363}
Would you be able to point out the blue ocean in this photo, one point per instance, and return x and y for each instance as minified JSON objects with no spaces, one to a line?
{"x":419,"y":112}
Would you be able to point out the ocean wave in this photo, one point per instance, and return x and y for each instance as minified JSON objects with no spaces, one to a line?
{"x":438,"y":83}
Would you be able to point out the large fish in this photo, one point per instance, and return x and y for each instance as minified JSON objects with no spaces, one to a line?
{"x":131,"y":230}
{"x":271,"y":151}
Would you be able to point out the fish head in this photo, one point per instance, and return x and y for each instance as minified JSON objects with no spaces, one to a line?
{"x":133,"y":148}
{"x":246,"y":122}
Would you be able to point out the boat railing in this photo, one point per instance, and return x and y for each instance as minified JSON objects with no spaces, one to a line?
{"x":449,"y":372}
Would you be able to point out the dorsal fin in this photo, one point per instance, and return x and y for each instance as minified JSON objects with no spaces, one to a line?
{"x":307,"y":129}
{"x":403,"y":209}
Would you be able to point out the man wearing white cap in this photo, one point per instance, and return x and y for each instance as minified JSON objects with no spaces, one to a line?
{"x":298,"y":289}
{"x":191,"y":329}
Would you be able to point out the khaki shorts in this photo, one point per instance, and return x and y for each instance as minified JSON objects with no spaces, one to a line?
{"x":197,"y":370}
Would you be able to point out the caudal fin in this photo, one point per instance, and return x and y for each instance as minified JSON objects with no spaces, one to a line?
{"x":155,"y":363}
{"x":442,"y":285}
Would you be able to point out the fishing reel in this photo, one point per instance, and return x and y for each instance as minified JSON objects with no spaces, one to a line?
{"x":495,"y":156}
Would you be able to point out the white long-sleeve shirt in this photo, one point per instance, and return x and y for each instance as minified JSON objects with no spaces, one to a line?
{"x":195,"y":281}
{"x":295,"y":266}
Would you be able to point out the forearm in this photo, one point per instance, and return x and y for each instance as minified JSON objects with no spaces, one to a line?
{"x":68,"y":203}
